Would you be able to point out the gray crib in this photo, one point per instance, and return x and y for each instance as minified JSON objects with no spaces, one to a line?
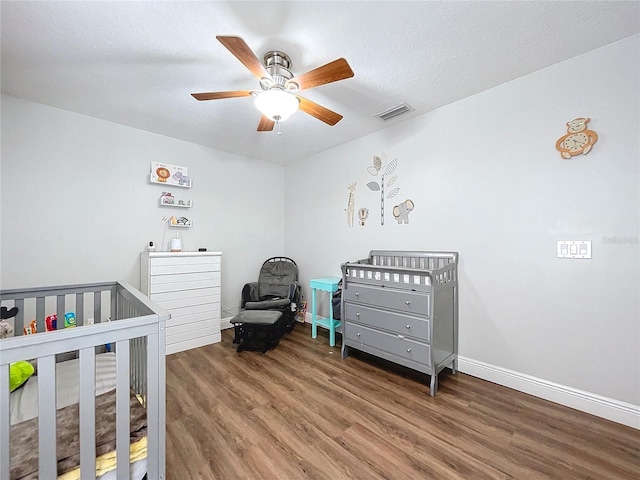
{"x":109,"y":316}
{"x":403,"y":306}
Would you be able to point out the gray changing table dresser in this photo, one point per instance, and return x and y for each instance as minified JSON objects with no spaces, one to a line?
{"x":403,"y":306}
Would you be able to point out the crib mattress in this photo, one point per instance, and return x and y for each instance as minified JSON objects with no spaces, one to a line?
{"x":24,"y":401}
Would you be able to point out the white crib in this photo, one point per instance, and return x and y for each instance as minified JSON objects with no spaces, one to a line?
{"x":112,"y":316}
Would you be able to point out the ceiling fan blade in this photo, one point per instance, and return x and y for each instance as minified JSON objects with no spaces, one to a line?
{"x":321,"y":113}
{"x":266,"y":124}
{"x":219,"y":95}
{"x":331,"y":72}
{"x":242,"y":52}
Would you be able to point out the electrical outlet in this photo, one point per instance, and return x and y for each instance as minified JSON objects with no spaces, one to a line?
{"x":574,"y":248}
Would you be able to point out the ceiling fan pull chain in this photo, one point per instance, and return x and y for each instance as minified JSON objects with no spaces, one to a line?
{"x":278,"y":132}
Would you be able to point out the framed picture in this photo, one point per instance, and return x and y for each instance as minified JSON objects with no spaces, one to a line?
{"x":170,"y":174}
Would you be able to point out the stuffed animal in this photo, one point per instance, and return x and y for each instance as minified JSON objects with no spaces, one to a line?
{"x":19,"y":373}
{"x":6,"y":329}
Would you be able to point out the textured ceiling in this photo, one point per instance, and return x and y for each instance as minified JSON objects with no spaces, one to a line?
{"x":136,"y":63}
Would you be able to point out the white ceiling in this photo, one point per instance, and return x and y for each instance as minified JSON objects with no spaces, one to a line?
{"x":136,"y":63}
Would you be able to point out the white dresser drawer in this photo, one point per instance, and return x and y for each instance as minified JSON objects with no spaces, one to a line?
{"x":176,"y":295}
{"x":184,"y":277}
{"x":194,"y":317}
{"x":185,"y":328}
{"x":210,"y":260}
{"x":173,"y":269}
{"x":187,"y":302}
{"x":213,"y":309}
{"x":186,"y":285}
{"x":182,"y":338}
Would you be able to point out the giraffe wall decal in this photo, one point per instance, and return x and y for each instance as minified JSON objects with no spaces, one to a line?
{"x":351,"y":203}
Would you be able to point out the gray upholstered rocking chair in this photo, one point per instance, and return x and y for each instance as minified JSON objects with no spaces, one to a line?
{"x":277,"y":288}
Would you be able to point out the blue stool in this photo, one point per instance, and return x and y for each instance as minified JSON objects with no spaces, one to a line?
{"x":328,"y":285}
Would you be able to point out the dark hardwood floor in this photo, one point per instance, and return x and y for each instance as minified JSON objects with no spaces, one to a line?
{"x":301,"y":412}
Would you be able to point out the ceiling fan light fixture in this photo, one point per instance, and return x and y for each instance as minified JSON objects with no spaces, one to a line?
{"x":276,"y":104}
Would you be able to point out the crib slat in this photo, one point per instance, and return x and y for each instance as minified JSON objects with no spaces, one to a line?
{"x":19,"y":318}
{"x":4,"y":422}
{"x":47,"y":461}
{"x":155,"y":407}
{"x":113,"y":310}
{"x":60,"y":310}
{"x":40,"y":313}
{"x":79,"y":309}
{"x":97,"y":307}
{"x":87,"y":413}
{"x":122,"y":409}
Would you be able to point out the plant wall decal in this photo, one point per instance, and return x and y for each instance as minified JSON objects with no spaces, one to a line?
{"x":380,"y":165}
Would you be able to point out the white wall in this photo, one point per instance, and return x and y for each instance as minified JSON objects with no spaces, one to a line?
{"x":488,"y":182}
{"x":77,"y":206}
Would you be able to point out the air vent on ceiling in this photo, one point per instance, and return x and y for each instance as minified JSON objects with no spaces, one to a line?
{"x":393,"y":112}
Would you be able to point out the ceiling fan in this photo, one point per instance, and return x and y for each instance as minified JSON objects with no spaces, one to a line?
{"x":278,"y":98}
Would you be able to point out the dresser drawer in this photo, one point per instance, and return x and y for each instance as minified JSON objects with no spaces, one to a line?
{"x":186,"y":269}
{"x":180,"y":317}
{"x":178,"y":303}
{"x":393,"y":322}
{"x":395,"y":344}
{"x":180,"y":333}
{"x":195,"y":293}
{"x":210,"y":260}
{"x":404,"y":301}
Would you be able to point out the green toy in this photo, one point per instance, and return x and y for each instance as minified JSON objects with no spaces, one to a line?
{"x":19,"y":372}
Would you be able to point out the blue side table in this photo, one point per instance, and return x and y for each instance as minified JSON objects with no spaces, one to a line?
{"x":328,"y":285}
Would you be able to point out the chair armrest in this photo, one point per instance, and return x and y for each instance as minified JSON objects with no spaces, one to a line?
{"x":249,"y":293}
{"x":295,"y":292}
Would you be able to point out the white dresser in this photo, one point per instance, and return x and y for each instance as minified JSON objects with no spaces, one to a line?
{"x":187,"y":284}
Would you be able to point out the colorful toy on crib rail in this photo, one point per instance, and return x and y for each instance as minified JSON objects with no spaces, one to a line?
{"x":51,"y":323}
{"x":69,"y":320}
{"x":30,"y":329}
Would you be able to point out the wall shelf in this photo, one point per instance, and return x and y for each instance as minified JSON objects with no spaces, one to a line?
{"x":164,"y":202}
{"x":179,"y":222}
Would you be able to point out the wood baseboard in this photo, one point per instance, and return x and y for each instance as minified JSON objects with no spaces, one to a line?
{"x":225,"y":323}
{"x":609,"y":408}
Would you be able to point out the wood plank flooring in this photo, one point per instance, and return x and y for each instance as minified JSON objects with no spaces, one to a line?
{"x":301,"y":412}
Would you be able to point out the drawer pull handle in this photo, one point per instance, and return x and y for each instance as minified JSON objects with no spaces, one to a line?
{"x":407,"y":302}
{"x":357,"y":314}
{"x":357,"y":334}
{"x":357,"y":294}
{"x":408,"y":326}
{"x":408,"y":350}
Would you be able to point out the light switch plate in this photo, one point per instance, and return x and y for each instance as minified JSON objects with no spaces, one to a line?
{"x":574,"y":248}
